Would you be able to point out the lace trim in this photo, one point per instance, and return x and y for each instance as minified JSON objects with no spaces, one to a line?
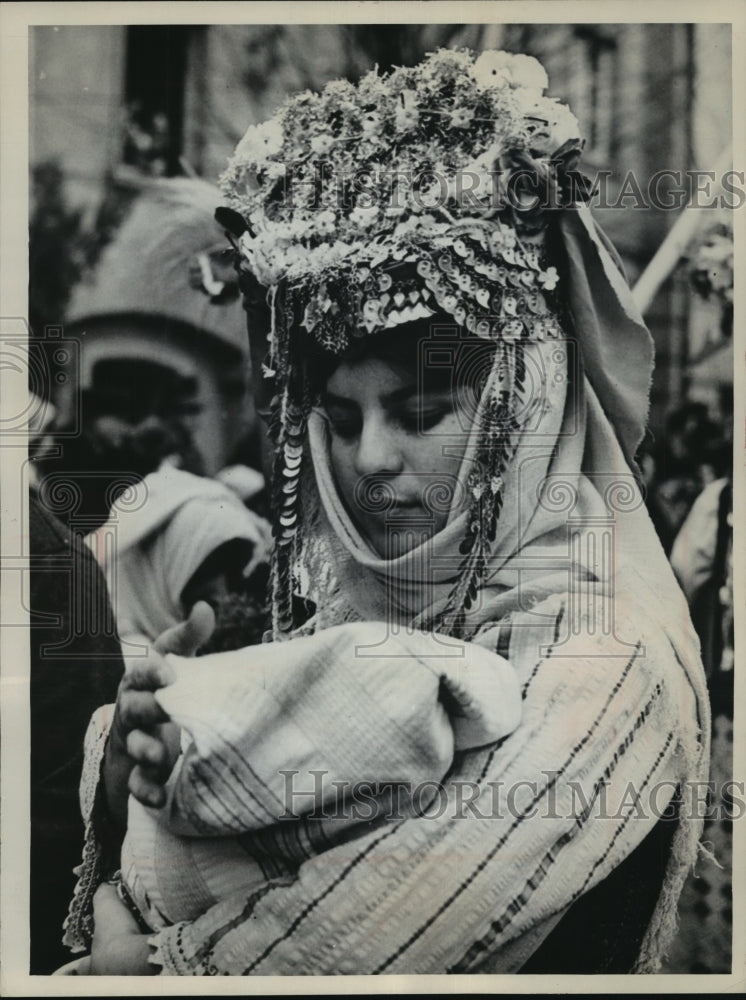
{"x":78,"y":926}
{"x":167,"y":952}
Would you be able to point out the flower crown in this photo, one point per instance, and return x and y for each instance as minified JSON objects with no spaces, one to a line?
{"x":357,"y":177}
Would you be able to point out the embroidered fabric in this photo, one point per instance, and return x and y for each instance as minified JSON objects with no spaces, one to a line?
{"x":78,"y":927}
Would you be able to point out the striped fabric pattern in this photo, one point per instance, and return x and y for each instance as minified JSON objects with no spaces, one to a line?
{"x":498,"y":856}
{"x":322,"y":713}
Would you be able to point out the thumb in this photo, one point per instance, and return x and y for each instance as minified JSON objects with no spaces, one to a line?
{"x":185,"y":638}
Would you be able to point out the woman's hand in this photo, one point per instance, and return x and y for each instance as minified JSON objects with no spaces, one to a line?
{"x":143,"y":745}
{"x":119,"y":948}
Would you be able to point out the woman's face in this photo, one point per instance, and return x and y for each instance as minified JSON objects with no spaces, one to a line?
{"x":396,"y":451}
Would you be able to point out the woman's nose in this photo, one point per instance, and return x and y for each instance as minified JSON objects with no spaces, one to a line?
{"x":377,"y":450}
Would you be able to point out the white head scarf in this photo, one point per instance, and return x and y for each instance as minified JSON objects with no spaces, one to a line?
{"x":159,"y":534}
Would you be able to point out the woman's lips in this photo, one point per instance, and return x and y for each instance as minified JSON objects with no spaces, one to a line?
{"x":397,"y":508}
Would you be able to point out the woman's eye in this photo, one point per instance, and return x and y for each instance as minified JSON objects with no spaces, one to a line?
{"x":421,"y":419}
{"x":343,"y":426}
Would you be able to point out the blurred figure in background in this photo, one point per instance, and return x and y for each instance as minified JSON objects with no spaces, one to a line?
{"x":163,"y":386}
{"x":163,"y":370}
{"x":692,"y":452}
{"x":702,"y":559}
{"x":75,"y":667}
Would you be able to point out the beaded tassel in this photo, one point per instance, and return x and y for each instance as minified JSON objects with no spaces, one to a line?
{"x":287,"y":474}
{"x":497,"y":441}
{"x":288,"y":429}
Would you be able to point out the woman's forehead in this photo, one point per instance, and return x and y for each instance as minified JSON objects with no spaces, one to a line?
{"x":365,"y":377}
{"x":420,"y":363}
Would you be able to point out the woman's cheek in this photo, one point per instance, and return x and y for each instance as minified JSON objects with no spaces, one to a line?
{"x":342,"y":457}
{"x":443,"y":447}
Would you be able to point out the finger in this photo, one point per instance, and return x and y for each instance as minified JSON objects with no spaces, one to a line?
{"x":147,"y":750}
{"x":145,"y":789}
{"x":148,"y":673}
{"x":109,"y":912}
{"x":105,"y":899}
{"x":139,"y":710}
{"x":186,"y":637}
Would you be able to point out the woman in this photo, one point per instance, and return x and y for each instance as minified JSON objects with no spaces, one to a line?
{"x":495,"y":509}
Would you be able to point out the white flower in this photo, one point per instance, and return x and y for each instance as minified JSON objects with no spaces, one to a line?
{"x":322,"y":142}
{"x":565,"y":126}
{"x":529,"y":102}
{"x":246,"y":244}
{"x":294,"y":254}
{"x":363,"y":217}
{"x":274,"y":170}
{"x":266,"y":267}
{"x":325,"y":222}
{"x":413,"y":223}
{"x":341,"y":93}
{"x":340,"y":249}
{"x":407,"y":114}
{"x":500,"y":69}
{"x":260,"y":141}
{"x":461,"y":117}
{"x":406,"y":118}
{"x":491,"y":70}
{"x":371,"y":123}
{"x":528,"y":72}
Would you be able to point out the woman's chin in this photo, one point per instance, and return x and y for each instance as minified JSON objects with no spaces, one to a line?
{"x":391,"y":542}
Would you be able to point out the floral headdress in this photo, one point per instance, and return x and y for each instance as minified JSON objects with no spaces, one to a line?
{"x":365,"y":207}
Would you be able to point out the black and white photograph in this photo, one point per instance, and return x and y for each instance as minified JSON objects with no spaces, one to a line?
{"x":372,"y":446}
